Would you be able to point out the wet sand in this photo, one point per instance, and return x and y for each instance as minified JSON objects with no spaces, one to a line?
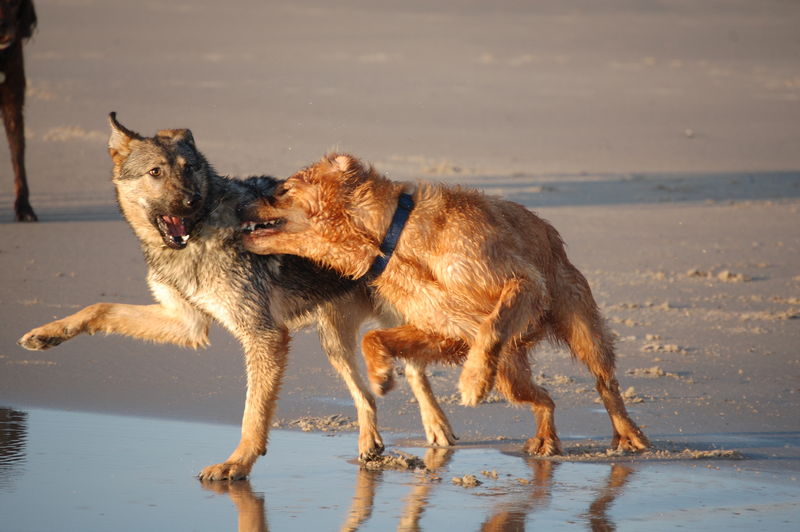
{"x":74,"y":471}
{"x":703,"y":353}
{"x":661,"y":141}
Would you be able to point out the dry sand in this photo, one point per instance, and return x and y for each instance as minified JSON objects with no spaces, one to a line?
{"x":660,"y":140}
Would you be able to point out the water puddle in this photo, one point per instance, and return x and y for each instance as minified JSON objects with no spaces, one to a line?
{"x":79,"y":471}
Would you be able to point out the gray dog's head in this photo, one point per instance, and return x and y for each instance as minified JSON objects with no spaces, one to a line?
{"x":162,"y":180}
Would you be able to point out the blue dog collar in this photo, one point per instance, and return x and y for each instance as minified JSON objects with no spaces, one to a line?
{"x":405,"y":204}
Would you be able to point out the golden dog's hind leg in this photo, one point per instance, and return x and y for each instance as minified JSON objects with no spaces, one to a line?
{"x":515,"y":382}
{"x":521,"y":304}
{"x":265,"y":361}
{"x":626,"y":434}
{"x":595,"y":349}
{"x":579,"y":324}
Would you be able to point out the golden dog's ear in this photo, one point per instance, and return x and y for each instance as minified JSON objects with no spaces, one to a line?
{"x":344,"y":167}
{"x":120,"y":140}
{"x":177,"y":135}
{"x":344,"y":162}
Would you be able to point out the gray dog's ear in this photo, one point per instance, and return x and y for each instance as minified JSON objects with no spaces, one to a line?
{"x":120,"y":139}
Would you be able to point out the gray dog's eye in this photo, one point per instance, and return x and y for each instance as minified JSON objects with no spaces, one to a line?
{"x":155,"y":172}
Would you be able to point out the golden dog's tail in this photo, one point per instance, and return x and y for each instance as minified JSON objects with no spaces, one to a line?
{"x":577,"y":322}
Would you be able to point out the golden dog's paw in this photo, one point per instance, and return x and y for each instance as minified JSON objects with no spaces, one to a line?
{"x":474,"y":385}
{"x":438,"y":431}
{"x":543,"y":446}
{"x":226,"y":471}
{"x":382,"y":382}
{"x":44,"y":338}
{"x":633,"y":441}
{"x":440,"y":435}
{"x":370,"y":446}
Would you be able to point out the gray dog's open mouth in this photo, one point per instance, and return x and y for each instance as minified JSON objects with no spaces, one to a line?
{"x":262,"y":227}
{"x":174,"y":230}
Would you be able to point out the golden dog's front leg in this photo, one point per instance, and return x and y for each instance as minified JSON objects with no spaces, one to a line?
{"x":265,"y":361}
{"x":382,"y":346}
{"x":418,"y":348}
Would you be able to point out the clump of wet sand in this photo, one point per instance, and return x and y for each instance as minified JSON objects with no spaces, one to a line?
{"x":397,"y":460}
{"x":656,"y":347}
{"x":660,"y":451}
{"x":332,"y":423}
{"x":653,"y":372}
{"x":455,"y":399}
{"x":724,"y":275}
{"x":629,"y":395}
{"x":467,"y":481}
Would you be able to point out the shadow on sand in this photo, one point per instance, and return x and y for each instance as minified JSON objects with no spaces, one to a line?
{"x":643,"y":189}
{"x":537,"y":191}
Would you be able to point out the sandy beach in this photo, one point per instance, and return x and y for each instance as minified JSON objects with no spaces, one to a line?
{"x":661,"y":140}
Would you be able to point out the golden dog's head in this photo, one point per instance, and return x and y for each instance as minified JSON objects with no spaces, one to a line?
{"x":323,"y":212}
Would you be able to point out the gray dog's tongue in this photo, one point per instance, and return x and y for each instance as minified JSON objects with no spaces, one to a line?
{"x":175,"y":226}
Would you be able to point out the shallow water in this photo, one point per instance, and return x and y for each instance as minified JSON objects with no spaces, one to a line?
{"x":79,"y":471}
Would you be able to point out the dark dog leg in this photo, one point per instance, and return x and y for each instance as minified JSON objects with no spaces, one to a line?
{"x":12,"y":96}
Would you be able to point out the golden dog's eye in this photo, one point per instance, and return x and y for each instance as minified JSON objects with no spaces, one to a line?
{"x":280,"y":190}
{"x":155,"y":172}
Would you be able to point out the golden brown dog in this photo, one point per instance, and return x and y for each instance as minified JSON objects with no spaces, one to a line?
{"x":476,"y":278}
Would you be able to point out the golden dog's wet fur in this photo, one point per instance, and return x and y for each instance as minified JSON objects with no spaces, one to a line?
{"x":478,"y":280}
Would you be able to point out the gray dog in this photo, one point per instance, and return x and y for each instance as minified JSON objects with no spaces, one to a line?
{"x":184,"y":214}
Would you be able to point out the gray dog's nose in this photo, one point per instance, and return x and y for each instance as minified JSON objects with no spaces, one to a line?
{"x":192,"y":201}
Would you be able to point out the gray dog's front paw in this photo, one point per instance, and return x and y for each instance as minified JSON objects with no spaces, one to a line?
{"x":225,"y":471}
{"x":37,"y":342}
{"x":47,"y":336}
